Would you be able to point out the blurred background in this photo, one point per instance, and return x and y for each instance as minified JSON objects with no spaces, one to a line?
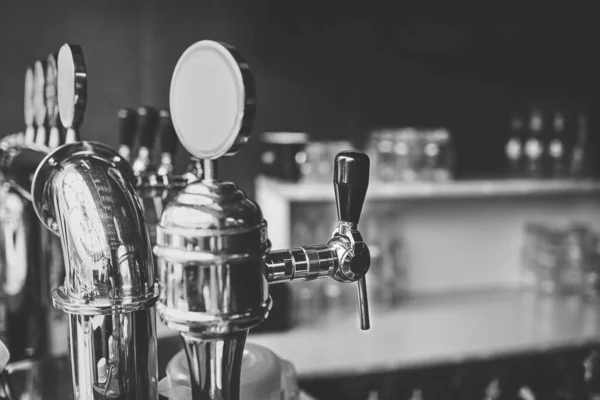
{"x":482,"y":215}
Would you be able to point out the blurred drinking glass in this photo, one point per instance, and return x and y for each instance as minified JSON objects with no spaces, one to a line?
{"x":386,"y":158}
{"x":316,"y":165}
{"x":549,"y":259}
{"x":320,"y":157}
{"x":573,"y":272}
{"x":407,"y":151}
{"x":438,"y":155}
{"x":531,"y":249}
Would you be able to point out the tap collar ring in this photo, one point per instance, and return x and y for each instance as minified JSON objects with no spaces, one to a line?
{"x":63,"y":302}
{"x":197,"y":244}
{"x":205,"y":324}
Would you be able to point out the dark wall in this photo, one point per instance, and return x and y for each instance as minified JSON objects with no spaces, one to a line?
{"x":334,"y":69}
{"x":110,"y":35}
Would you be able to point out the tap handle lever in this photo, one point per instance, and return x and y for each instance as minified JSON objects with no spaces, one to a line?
{"x":363,"y":304}
{"x":350,"y":181}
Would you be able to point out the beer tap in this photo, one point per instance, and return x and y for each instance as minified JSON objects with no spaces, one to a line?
{"x":127,"y":127}
{"x":20,"y":237}
{"x":147,"y":124}
{"x":54,"y":135}
{"x":72,"y":93}
{"x":39,"y":103}
{"x":163,"y":172}
{"x":156,"y":183}
{"x":168,"y":144}
{"x":346,"y":257}
{"x":212,"y":246}
{"x":84,"y":193}
{"x":28,"y":108}
{"x":52,"y":266}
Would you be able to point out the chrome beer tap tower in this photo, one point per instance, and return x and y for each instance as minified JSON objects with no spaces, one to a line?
{"x":213,"y":250}
{"x":212,"y":247}
{"x":84,"y":193}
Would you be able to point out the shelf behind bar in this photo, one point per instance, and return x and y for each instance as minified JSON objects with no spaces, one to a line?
{"x":439,"y":330}
{"x":307,"y":192}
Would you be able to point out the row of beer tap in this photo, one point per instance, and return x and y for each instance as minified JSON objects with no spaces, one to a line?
{"x":147,"y":141}
{"x":131,"y":235}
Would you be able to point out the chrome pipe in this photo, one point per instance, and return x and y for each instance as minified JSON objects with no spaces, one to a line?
{"x":83,"y":192}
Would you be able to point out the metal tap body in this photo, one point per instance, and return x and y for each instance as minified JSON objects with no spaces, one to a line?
{"x":215,"y":266}
{"x":84,"y":193}
{"x":212,"y":244}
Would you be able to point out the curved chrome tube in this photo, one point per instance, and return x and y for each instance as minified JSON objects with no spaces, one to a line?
{"x":84,"y":193}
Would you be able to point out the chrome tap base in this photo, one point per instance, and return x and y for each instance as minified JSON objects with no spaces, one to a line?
{"x":215,"y":365}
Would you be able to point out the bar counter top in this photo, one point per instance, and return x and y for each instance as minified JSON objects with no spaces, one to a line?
{"x":421,"y":332}
{"x":461,"y":189}
{"x":439,"y":330}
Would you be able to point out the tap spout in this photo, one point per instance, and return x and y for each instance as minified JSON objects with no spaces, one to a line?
{"x":84,"y":193}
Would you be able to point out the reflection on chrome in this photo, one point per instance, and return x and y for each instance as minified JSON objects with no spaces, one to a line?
{"x":13,"y":242}
{"x":83,"y":192}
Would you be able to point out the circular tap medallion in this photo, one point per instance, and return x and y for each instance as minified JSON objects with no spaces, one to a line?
{"x":50,"y":91}
{"x":212,"y":100}
{"x":71,"y":86}
{"x":39,"y":86}
{"x":28,"y":105}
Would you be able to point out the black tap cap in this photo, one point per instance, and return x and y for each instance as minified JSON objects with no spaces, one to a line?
{"x":127,"y":126}
{"x":147,"y":124}
{"x":166,"y":133}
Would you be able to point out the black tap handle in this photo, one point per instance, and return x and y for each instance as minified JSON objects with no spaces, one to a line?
{"x":127,"y":125}
{"x":166,"y":132}
{"x":350,"y":181}
{"x":147,"y":124}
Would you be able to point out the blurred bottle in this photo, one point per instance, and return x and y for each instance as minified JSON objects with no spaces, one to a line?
{"x":557,"y":165}
{"x":534,"y":148}
{"x":514,"y":146}
{"x":579,"y":164}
